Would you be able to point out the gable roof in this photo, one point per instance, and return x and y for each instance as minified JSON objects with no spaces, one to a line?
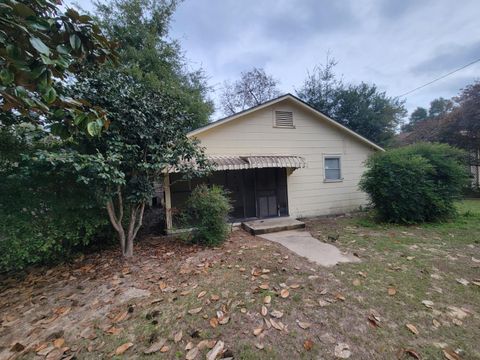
{"x":297,"y":101}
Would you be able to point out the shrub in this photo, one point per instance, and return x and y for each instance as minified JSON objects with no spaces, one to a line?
{"x":416,"y":183}
{"x":207,"y":211}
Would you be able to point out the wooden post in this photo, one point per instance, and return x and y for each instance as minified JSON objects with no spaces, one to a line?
{"x":168,"y":203}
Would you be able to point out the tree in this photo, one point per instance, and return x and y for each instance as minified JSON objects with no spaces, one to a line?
{"x":320,"y":88}
{"x":146,"y":53}
{"x":253,"y":88}
{"x":42,"y":46}
{"x":146,"y":138}
{"x":417,"y":115}
{"x":362,"y":108}
{"x":440,"y":107}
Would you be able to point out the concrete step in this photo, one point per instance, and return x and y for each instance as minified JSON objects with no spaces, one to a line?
{"x":265,"y":226}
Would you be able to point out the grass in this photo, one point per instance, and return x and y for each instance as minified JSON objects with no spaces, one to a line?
{"x":421,"y":262}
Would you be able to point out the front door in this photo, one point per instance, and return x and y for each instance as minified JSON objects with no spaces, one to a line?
{"x":266,"y":190}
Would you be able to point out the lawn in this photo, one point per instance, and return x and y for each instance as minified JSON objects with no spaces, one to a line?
{"x":415,"y":294}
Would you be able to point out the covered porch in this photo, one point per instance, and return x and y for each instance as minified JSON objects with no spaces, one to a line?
{"x":257,"y":186}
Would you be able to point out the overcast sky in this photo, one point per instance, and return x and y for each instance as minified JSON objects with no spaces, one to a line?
{"x":396,"y":44}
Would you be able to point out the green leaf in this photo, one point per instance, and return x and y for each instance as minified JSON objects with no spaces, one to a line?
{"x":23,"y":10}
{"x":6,"y":76}
{"x":50,"y":95}
{"x":75,"y":41}
{"x":93,"y":128}
{"x":40,"y":46}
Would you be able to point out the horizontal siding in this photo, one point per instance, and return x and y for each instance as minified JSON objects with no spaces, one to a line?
{"x":312,"y":138}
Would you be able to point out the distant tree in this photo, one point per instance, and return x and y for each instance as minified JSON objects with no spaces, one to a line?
{"x":253,"y":88}
{"x":419,"y":114}
{"x":147,"y":53}
{"x":41,"y":45}
{"x":440,"y":107}
{"x":321,"y":87}
{"x":362,"y":108}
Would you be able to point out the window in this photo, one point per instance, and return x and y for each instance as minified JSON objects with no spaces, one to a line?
{"x":332,"y":168}
{"x":284,"y":119}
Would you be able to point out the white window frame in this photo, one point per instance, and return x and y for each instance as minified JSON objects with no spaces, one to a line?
{"x":332,"y":156}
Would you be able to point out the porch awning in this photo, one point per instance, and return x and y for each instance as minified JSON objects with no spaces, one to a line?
{"x":232,"y":162}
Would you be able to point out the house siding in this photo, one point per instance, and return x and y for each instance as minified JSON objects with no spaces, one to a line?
{"x":312,"y":138}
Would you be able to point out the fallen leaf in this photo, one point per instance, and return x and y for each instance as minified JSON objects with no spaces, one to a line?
{"x":195,"y":311}
{"x":165,"y":348}
{"x":428,"y":303}
{"x":276,"y":314}
{"x":215,"y":298}
{"x":178,"y":337}
{"x":122,"y":348}
{"x":308,"y":344}
{"x":463,"y":282}
{"x":58,"y":343}
{"x":436,"y":323}
{"x":257,"y":331}
{"x":267,"y":299}
{"x":217,"y":350}
{"x":412,"y":328}
{"x":264,"y":286}
{"x":213,"y":322}
{"x":391,"y":291}
{"x":259,"y":346}
{"x":342,"y":351}
{"x":356,"y":282}
{"x":264,"y":310}
{"x":450,"y":354}
{"x":412,"y":353}
{"x":457,"y":312}
{"x":189,"y":346}
{"x":304,"y":325}
{"x":155,"y":347}
{"x":201,"y":294}
{"x":294,"y":286}
{"x":114,"y":330}
{"x":277,"y":325}
{"x":340,"y":297}
{"x":284,"y":293}
{"x":192,"y":354}
{"x":120,"y":317}
{"x":17,"y":347}
{"x":224,"y":320}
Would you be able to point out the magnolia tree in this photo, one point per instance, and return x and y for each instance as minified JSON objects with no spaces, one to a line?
{"x":146,"y":138}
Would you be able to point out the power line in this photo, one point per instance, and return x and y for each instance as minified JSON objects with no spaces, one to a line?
{"x":439,"y":78}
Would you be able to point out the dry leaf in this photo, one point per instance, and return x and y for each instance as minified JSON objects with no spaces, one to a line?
{"x":122,"y":348}
{"x":58,"y":343}
{"x":356,"y":282}
{"x":450,"y":354}
{"x":340,"y":297}
{"x":165,"y":349}
{"x":412,"y":353}
{"x":259,"y":346}
{"x":189,"y":346}
{"x":213,"y":322}
{"x":308,"y":344}
{"x":201,"y":294}
{"x":276,"y":314}
{"x":264,"y":286}
{"x":436,"y":323}
{"x":267,"y":299}
{"x":155,"y":347}
{"x":224,"y":320}
{"x":284,"y":293}
{"x":412,"y":328}
{"x":277,"y":325}
{"x":257,"y":331}
{"x":304,"y":325}
{"x":178,"y":337}
{"x":192,"y":354}
{"x":264,"y":310}
{"x":294,"y":286}
{"x":391,"y":291}
{"x":463,"y":282}
{"x":120,"y":317}
{"x":114,"y":330}
{"x":428,"y":303}
{"x":215,"y":298}
{"x":195,"y":311}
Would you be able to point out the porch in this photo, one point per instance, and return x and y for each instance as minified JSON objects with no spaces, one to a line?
{"x":257,"y":186}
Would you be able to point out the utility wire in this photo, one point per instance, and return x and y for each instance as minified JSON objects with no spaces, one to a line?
{"x":439,"y":78}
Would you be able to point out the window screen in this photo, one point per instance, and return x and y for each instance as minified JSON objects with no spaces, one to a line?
{"x":284,"y":119}
{"x":332,"y":168}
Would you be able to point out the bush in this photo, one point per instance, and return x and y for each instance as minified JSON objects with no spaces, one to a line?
{"x":207,"y":211}
{"x":416,"y":183}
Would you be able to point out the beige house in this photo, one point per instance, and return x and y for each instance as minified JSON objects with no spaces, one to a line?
{"x":281,"y":158}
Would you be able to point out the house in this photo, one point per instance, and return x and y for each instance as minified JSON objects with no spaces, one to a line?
{"x":280,"y":158}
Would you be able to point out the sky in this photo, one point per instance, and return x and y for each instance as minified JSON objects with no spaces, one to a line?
{"x":396,"y":44}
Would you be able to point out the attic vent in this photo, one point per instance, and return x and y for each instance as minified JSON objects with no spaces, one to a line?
{"x":284,"y":119}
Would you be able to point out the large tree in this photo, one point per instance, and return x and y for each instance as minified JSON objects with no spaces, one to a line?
{"x":148,"y":54}
{"x":363,"y":107}
{"x":40,"y":46}
{"x":253,"y":88}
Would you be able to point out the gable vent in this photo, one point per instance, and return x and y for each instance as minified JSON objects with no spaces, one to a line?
{"x":284,"y":119}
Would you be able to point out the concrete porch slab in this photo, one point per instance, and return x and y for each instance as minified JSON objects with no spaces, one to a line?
{"x":264,"y":226}
{"x":304,"y":244}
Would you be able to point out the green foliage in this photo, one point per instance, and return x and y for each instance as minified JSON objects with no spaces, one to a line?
{"x":417,"y":183}
{"x":148,"y":55}
{"x":44,"y":212}
{"x":40,"y":46}
{"x":207,"y":211}
{"x":360,"y":107}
